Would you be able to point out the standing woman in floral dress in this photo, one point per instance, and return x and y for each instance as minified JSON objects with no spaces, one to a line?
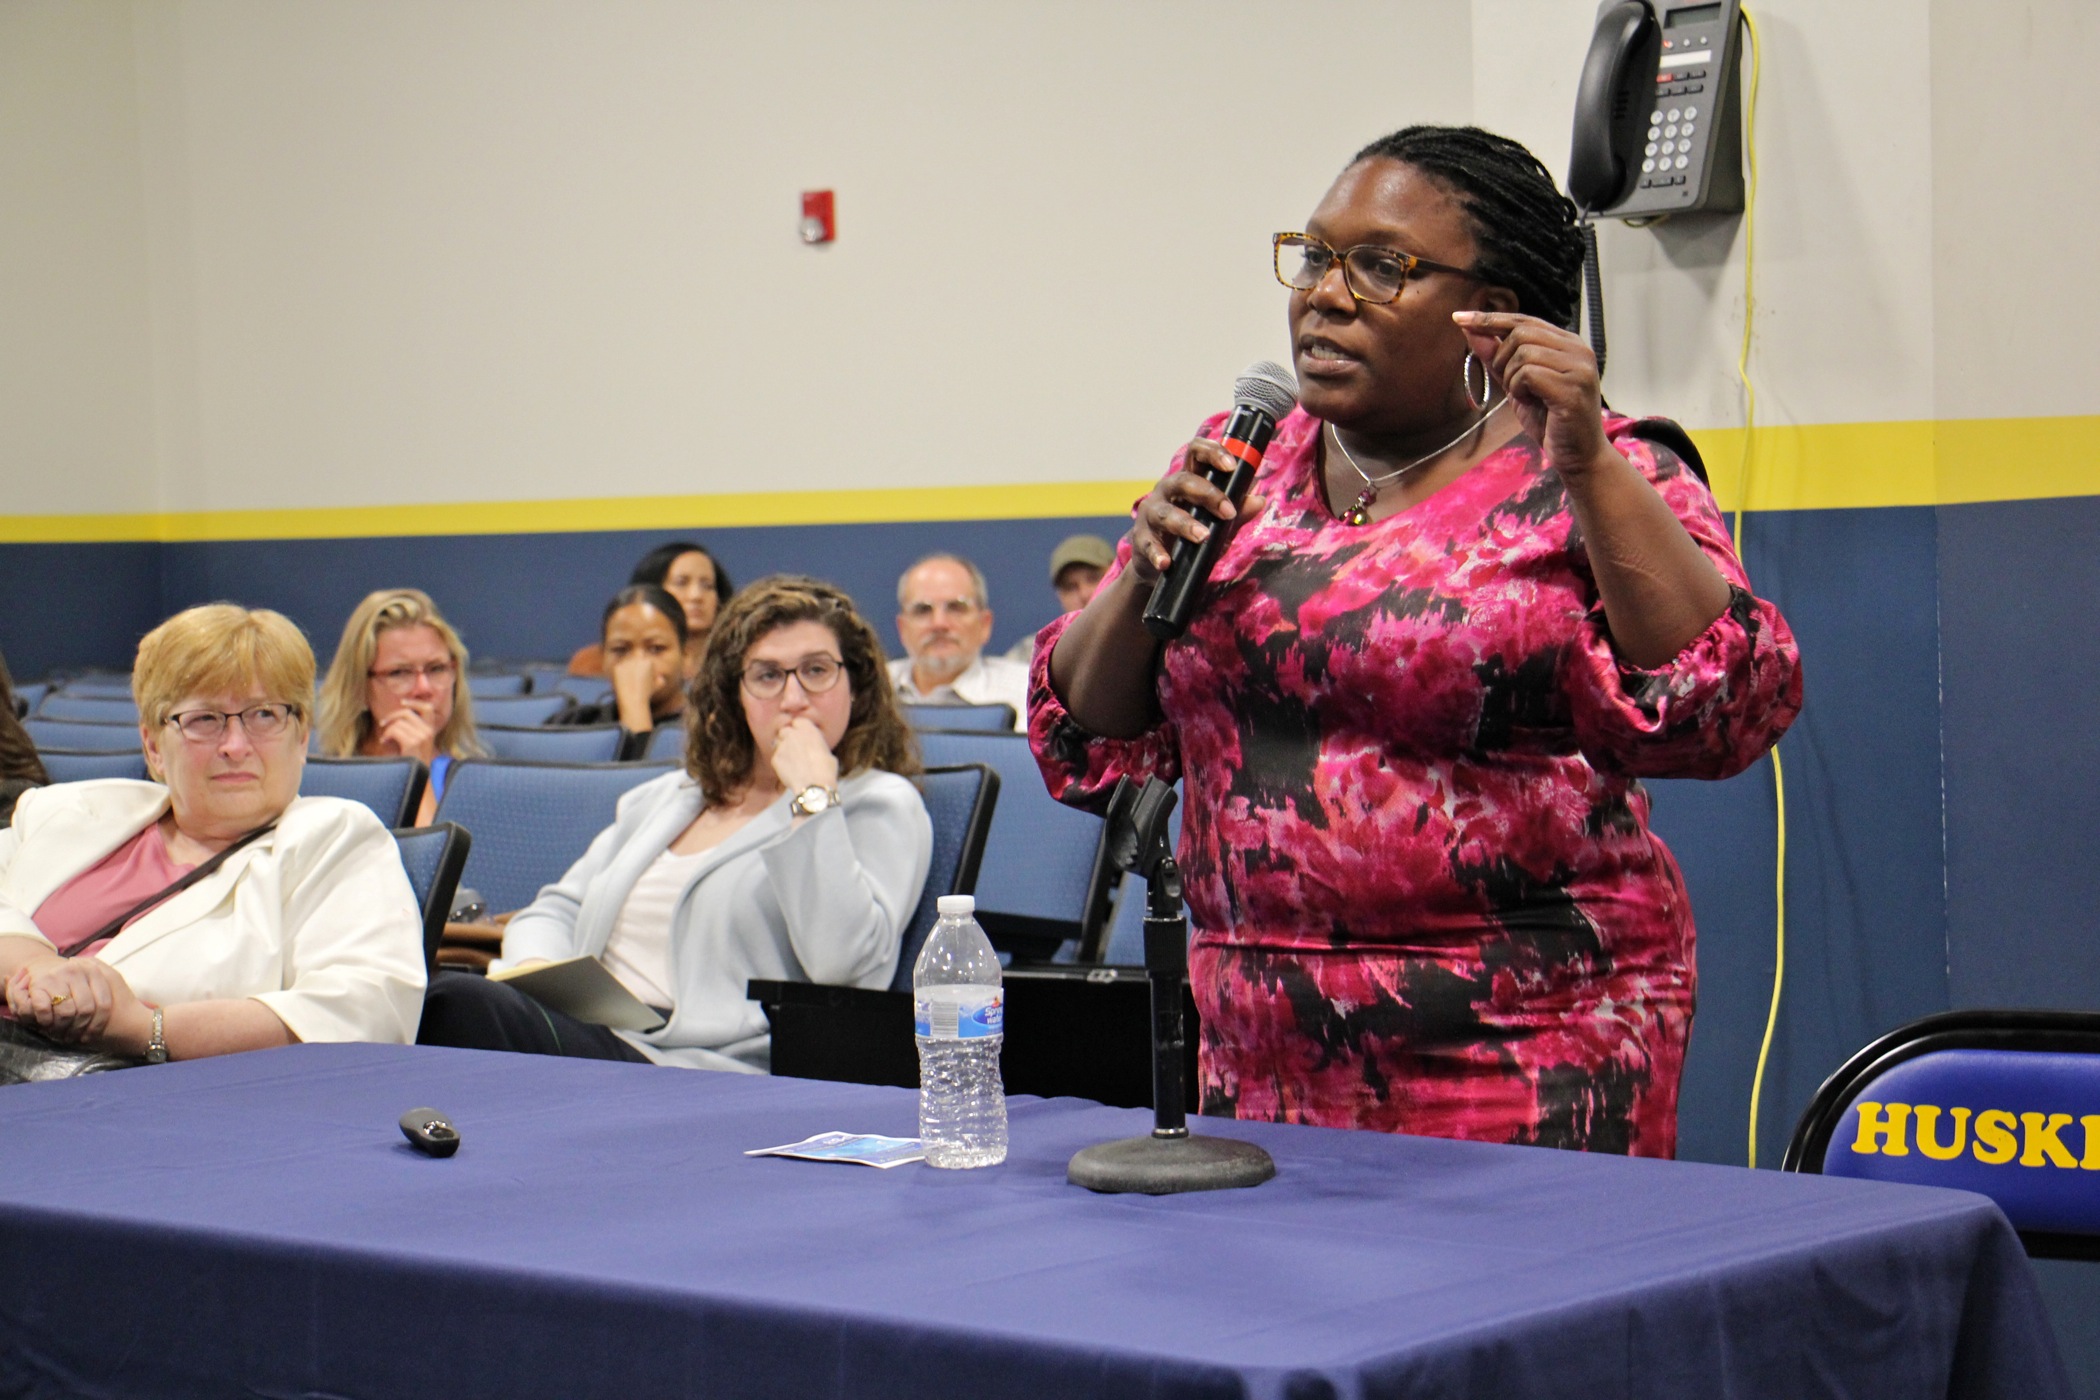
{"x":1462,"y":613}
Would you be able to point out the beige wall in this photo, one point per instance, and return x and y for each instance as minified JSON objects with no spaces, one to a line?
{"x":408,"y":252}
{"x":75,"y":399}
{"x":347,"y":252}
{"x":2016,"y":207}
{"x":1844,"y":255}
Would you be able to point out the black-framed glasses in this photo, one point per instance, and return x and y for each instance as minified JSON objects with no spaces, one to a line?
{"x":1372,"y":272}
{"x":816,"y":674}
{"x":402,"y":679}
{"x":260,"y":722}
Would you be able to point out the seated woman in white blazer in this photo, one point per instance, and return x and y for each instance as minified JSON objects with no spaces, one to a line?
{"x":793,"y":846}
{"x":215,"y":910}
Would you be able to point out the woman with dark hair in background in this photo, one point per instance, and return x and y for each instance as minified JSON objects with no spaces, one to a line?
{"x":688,"y":573}
{"x":793,"y":846}
{"x":1462,"y":612}
{"x":643,"y":635}
{"x":20,"y":768}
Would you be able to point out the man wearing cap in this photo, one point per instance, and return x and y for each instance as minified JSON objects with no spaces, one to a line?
{"x":944,"y":618}
{"x":1077,"y":566}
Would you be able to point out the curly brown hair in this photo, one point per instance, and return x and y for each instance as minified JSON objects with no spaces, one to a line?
{"x":719,"y":750}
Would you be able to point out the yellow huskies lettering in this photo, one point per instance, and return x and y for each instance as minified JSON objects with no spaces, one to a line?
{"x":1993,"y":1136}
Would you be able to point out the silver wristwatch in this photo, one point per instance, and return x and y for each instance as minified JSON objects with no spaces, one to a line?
{"x":814,"y":799}
{"x":157,"y":1043}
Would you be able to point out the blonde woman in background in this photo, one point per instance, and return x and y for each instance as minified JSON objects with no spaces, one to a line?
{"x":213,"y":909}
{"x":398,"y":686}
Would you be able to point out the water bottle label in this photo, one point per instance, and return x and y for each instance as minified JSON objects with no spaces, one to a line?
{"x":950,"y":1018}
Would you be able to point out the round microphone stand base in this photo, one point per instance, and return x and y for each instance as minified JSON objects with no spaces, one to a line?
{"x":1168,"y":1166}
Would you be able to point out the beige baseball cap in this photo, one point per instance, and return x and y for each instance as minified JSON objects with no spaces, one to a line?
{"x":1080,"y":549}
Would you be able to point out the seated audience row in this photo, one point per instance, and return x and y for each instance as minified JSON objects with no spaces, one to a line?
{"x":212,"y":909}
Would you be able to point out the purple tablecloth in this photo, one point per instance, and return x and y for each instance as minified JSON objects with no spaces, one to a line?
{"x":257,"y":1226}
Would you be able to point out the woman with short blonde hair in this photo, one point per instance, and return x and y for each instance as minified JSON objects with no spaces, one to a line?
{"x":214,"y":909}
{"x":397,"y":685}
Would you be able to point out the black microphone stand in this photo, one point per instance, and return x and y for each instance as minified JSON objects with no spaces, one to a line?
{"x":1171,"y":1159}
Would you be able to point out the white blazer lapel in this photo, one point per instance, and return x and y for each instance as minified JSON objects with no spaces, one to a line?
{"x":80,"y":837}
{"x":189,"y":906}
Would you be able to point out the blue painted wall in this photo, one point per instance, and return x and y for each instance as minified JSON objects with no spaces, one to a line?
{"x":72,"y":606}
{"x":525,"y":596}
{"x":2020,"y":627}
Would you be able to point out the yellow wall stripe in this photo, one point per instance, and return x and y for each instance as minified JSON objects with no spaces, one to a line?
{"x":905,"y":504}
{"x":1829,"y":466}
{"x":1852,"y":466}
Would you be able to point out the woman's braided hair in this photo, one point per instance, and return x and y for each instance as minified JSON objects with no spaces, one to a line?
{"x":1522,"y":224}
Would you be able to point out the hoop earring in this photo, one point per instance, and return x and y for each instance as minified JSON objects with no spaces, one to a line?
{"x":1487,"y":385}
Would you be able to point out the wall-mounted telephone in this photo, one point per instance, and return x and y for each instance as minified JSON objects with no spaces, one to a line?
{"x":1658,"y":119}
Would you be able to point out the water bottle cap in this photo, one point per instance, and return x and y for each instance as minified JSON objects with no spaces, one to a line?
{"x":956,"y":906}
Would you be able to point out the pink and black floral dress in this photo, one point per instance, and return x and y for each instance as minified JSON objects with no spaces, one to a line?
{"x":1423,"y":892}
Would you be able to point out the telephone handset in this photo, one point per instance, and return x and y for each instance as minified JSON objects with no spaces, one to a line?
{"x":1658,"y":123}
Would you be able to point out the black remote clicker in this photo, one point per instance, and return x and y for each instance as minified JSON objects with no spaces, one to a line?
{"x":430,"y":1132}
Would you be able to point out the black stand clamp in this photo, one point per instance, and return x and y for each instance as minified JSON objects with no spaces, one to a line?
{"x":1171,"y":1160}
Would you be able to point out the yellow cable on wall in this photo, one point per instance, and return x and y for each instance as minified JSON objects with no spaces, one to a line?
{"x":1742,"y":373}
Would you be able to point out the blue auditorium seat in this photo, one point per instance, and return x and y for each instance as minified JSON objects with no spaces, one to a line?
{"x":666,"y":741}
{"x":980,"y":717}
{"x":102,"y":683}
{"x":433,"y":856}
{"x":82,"y":736}
{"x":581,"y":743}
{"x":71,"y":766}
{"x":496,"y":685}
{"x":391,"y":787}
{"x":530,"y":821}
{"x":961,"y":801}
{"x":521,"y":710}
{"x":102,"y":709}
{"x":1039,"y":859}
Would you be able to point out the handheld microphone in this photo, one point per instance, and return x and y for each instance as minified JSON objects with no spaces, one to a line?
{"x":1260,"y":397}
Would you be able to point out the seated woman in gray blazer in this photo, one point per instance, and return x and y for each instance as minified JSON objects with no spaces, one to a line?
{"x":793,"y":847}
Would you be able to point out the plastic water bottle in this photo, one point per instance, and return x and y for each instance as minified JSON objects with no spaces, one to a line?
{"x":960,"y":1010}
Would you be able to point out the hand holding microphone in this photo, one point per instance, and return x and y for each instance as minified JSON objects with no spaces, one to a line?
{"x":1189,"y":506}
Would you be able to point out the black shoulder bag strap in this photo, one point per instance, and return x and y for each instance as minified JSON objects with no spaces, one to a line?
{"x":116,"y":925}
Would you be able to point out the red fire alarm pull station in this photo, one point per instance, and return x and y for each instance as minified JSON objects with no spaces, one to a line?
{"x":819,"y":222}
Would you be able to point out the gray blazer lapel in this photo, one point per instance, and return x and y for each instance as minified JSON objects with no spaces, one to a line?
{"x":606,"y":894}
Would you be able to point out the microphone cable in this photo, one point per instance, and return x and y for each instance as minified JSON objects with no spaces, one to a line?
{"x":1742,"y":503}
